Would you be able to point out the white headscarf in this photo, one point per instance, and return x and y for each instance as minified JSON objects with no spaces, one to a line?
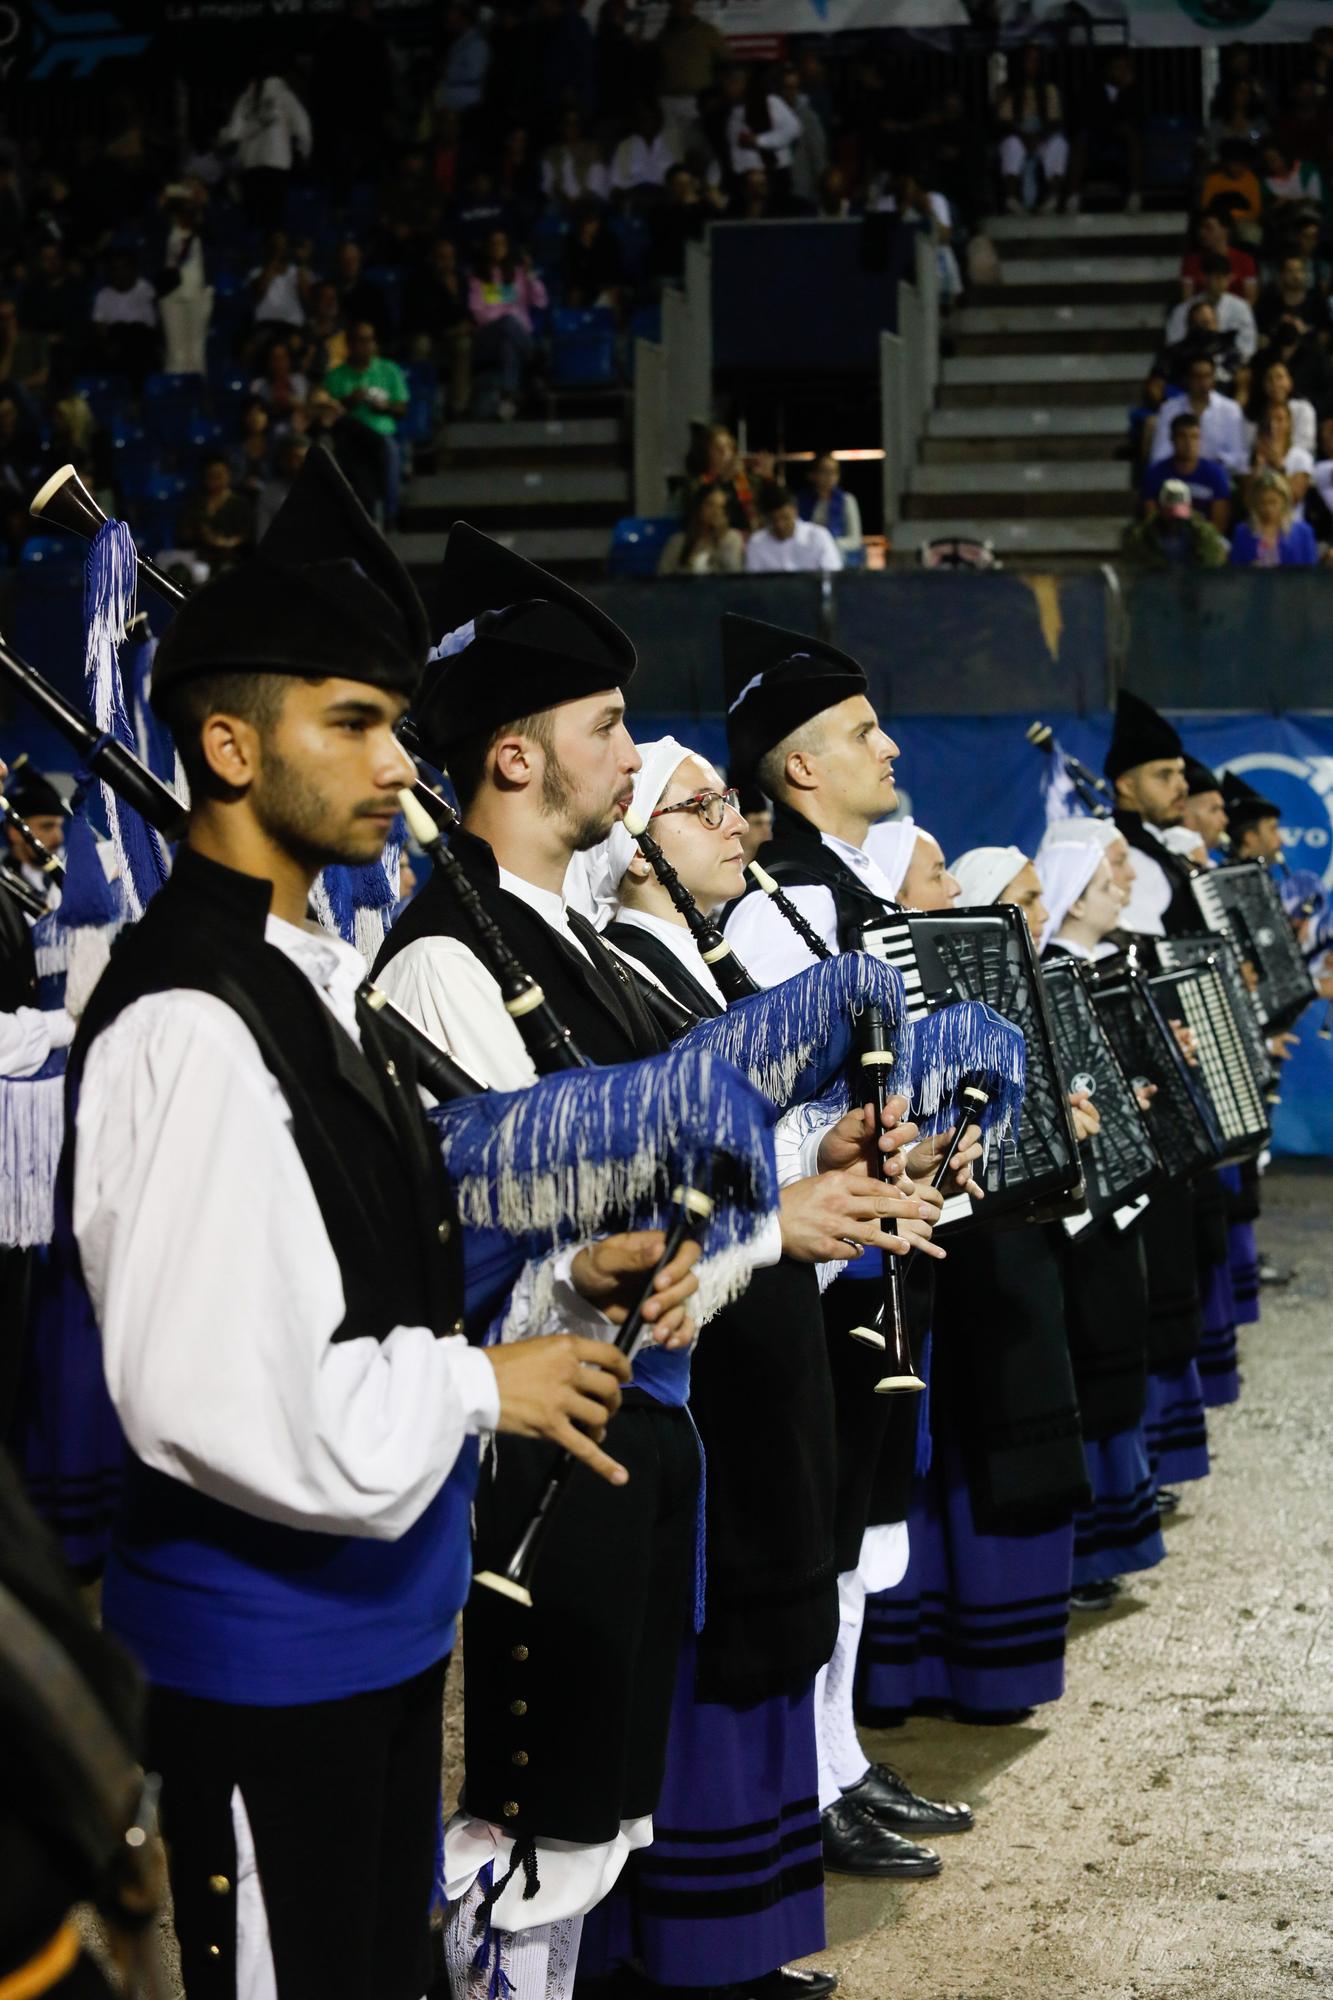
{"x":1181,"y":840}
{"x":889,"y":845}
{"x":1103,"y":831}
{"x":592,"y":882}
{"x":984,"y":873}
{"x":1065,"y":869}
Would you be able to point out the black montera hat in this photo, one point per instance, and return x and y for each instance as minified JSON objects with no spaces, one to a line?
{"x":323,"y":597}
{"x":512,"y":640}
{"x":1199,"y":778}
{"x":1140,"y":736}
{"x":775,"y":681}
{"x":1244,"y":804}
{"x":32,"y":795}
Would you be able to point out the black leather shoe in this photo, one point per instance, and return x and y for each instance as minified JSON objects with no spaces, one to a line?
{"x":1093,"y":1597}
{"x":1273,"y":1274}
{"x":791,"y":1982}
{"x":897,"y":1806}
{"x":1167,"y":1501}
{"x":856,"y":1844}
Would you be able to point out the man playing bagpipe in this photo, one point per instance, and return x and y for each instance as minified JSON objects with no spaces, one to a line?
{"x":273,"y":1254}
{"x":524,"y":705}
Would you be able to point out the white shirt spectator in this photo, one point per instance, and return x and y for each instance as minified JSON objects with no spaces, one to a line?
{"x":887,"y":204}
{"x":784,"y":129}
{"x":1304,"y":426}
{"x":1298,"y":460}
{"x":136,"y":306}
{"x":281,"y":299}
{"x":572,"y":178}
{"x":1233,"y":316}
{"x":640,"y":162}
{"x":807,"y":547}
{"x":465,"y":67}
{"x":269,"y":127}
{"x":1222,"y":426}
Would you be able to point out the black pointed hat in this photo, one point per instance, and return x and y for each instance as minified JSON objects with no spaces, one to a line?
{"x":1244,"y":804}
{"x":775,"y":681}
{"x":1199,"y":778}
{"x":323,"y":597}
{"x":1140,"y":736}
{"x":512,"y":640}
{"x":32,"y":794}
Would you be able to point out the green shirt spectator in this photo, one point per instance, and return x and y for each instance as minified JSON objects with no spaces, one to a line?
{"x":369,"y":387}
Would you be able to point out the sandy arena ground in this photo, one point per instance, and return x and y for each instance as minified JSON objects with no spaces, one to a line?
{"x":1164,"y":1832}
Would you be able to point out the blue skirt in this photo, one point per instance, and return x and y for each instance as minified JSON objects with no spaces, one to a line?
{"x":1175,"y":1426}
{"x":733,"y":1884}
{"x":1120,"y":1531}
{"x":1219,"y":1374}
{"x":66,"y":1436}
{"x":978,"y":1624}
{"x":1244,"y":1260}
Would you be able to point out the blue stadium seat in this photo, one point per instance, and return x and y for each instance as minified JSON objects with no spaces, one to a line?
{"x":391,"y":281}
{"x":631,"y":233}
{"x":107,"y":396}
{"x":646,"y":322}
{"x":422,"y":420}
{"x":51,"y":549}
{"x":637,"y":543}
{"x":1170,"y":148}
{"x":583,"y":348}
{"x":171,"y":403}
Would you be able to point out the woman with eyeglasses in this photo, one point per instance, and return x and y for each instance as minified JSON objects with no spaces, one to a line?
{"x":706,"y":1904}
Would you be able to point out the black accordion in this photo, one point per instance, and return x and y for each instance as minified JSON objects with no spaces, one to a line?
{"x":1120,"y":1161}
{"x":1211,"y":948}
{"x":986,"y":954}
{"x":1235,"y":1103}
{"x":1240,"y":901}
{"x":1190,"y":1129}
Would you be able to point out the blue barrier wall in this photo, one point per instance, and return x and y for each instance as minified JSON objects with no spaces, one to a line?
{"x":958,"y":664}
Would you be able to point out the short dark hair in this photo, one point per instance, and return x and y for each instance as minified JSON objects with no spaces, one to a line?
{"x":1185,"y":421}
{"x":776,"y":497}
{"x":1214,"y":265}
{"x":185,"y":708}
{"x":467,"y":758}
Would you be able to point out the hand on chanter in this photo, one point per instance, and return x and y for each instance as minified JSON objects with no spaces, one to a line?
{"x":564,"y":1389}
{"x":852,"y":1139}
{"x":923,"y":1161}
{"x":833,"y":1217}
{"x":610,"y":1272}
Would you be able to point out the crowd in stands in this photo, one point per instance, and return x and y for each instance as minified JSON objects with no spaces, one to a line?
{"x":739,"y":513}
{"x":366,"y":241}
{"x":1232,"y":442}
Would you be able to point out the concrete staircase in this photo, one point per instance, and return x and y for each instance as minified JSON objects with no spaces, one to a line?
{"x":551,"y":488}
{"x":1023,"y":448}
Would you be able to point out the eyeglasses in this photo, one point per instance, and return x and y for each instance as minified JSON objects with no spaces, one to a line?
{"x":711,"y":807}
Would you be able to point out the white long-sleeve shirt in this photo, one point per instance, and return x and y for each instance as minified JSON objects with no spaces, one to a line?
{"x":765,"y":942}
{"x":217,"y":1289}
{"x":269,"y":128}
{"x":1222,"y":431}
{"x":808,"y":547}
{"x":784,"y":129}
{"x":1234,"y":315}
{"x":28,"y":1035}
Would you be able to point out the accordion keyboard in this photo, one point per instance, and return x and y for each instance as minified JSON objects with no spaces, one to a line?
{"x":1197,"y":996}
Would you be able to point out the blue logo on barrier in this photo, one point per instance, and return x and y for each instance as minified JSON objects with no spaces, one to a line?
{"x":1302,"y":790}
{"x":79,"y":42}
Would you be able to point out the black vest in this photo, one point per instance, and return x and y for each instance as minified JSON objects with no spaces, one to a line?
{"x":599,"y":1003}
{"x":1181,"y":915}
{"x":797,"y":856}
{"x":762,"y":1399}
{"x":374,"y":1165}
